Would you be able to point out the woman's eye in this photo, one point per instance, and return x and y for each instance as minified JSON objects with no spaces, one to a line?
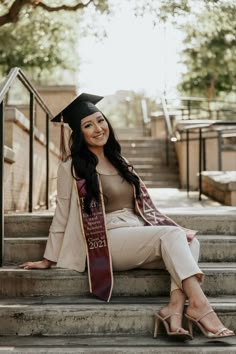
{"x":87,"y":125}
{"x":101,"y":120}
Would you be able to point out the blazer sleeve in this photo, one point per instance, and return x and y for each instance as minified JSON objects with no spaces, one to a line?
{"x":59,"y":222}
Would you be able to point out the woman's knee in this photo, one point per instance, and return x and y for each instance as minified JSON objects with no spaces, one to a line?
{"x":195,"y":248}
{"x":175,"y":233}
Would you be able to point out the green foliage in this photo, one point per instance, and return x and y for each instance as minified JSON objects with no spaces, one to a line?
{"x":42,"y":42}
{"x":210,"y":51}
{"x":162,"y":10}
{"x":37,"y":43}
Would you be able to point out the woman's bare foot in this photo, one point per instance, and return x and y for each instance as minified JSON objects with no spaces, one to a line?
{"x":211,"y":321}
{"x":175,"y":322}
{"x":176,"y":305}
{"x":44,"y":264}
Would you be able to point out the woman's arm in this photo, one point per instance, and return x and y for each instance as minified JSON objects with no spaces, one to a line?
{"x":59,"y":222}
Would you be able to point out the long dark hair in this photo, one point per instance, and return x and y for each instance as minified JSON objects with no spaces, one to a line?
{"x":84,"y":164}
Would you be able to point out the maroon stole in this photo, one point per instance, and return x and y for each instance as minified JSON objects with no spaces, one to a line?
{"x":98,"y":255}
{"x":154,"y":217}
{"x":96,"y":240}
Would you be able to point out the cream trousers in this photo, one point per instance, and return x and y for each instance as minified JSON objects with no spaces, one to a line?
{"x":134,"y":245}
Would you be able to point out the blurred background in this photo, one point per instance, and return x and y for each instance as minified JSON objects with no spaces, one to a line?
{"x":124,"y":49}
{"x":167,"y":72}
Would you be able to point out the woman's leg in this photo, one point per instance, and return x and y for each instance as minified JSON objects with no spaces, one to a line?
{"x":199,"y":305}
{"x":141,"y":247}
{"x":177,"y":296}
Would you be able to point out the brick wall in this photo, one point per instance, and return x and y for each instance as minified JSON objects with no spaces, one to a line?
{"x":16,"y":172}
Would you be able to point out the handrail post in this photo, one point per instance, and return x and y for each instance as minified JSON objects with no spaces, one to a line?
{"x":189,"y":108}
{"x":204,"y":154}
{"x":2,"y":184}
{"x":200,"y":165}
{"x":167,"y":148}
{"x":31,"y":152}
{"x":47,"y":161}
{"x":187,"y":162}
{"x":219,"y":143}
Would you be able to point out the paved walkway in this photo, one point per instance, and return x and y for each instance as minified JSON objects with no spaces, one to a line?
{"x":176,"y":198}
{"x":172,"y":199}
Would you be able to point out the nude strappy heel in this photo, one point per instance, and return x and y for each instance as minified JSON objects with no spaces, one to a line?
{"x":206,"y":333}
{"x":177,"y":333}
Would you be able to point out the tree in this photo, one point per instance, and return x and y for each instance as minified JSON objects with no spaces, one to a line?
{"x":12,"y":9}
{"x":38,"y":43}
{"x":209,"y":27}
{"x":210,"y":50}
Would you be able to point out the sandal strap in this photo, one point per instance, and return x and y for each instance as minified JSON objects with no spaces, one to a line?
{"x":203,"y":315}
{"x":173,"y":314}
{"x":221,"y":330}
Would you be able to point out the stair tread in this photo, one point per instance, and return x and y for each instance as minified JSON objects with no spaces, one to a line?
{"x":222,"y":302}
{"x":223,"y":211}
{"x":211,"y":238}
{"x":84,"y":341}
{"x":209,"y":266}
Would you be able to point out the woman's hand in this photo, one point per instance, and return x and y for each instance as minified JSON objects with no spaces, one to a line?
{"x":44,"y":264}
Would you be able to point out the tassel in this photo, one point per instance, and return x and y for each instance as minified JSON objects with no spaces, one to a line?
{"x":62,"y":141}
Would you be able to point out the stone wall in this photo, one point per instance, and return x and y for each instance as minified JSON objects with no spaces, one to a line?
{"x":16,"y":164}
{"x":228,"y":159}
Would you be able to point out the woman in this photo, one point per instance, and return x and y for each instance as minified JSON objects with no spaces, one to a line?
{"x":104,"y":215}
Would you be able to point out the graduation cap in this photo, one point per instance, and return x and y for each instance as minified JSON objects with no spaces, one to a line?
{"x":81,"y":107}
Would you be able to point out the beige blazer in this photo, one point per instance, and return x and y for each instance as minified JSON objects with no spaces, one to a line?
{"x":65,"y":245}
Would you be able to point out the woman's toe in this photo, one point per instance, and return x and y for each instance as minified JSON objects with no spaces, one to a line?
{"x":182,"y":331}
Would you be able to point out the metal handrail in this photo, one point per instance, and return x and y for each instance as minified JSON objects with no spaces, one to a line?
{"x":198,"y":99}
{"x":169,"y":130}
{"x":217,"y":127}
{"x":188,"y":111}
{"x":17,"y":73}
{"x":170,"y":137}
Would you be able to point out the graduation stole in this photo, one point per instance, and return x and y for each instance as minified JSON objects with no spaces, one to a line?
{"x":152,"y":216}
{"x":95,"y":235}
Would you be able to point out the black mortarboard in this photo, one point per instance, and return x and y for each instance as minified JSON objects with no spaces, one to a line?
{"x":82,"y":106}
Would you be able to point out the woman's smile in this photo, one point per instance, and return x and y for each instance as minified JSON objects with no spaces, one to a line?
{"x":95,"y":130}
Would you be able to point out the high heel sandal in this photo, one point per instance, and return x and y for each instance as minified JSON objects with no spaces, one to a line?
{"x":206,"y":333}
{"x":177,"y":333}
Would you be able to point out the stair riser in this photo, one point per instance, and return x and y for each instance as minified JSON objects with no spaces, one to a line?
{"x":112,"y":345}
{"x":163,"y":184}
{"x":69,"y":283}
{"x":18,"y":251}
{"x":157,"y":177}
{"x":85,"y":320}
{"x":28,"y":226}
{"x":161,"y":157}
{"x":120,"y":350}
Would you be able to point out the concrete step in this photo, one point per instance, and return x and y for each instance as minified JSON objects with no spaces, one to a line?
{"x":142,"y":143}
{"x":130,"y":152}
{"x":113,"y":344}
{"x":162,"y":170}
{"x":136,"y":132}
{"x":220,"y":278}
{"x":220,"y":220}
{"x":161,"y":184}
{"x":214,"y":248}
{"x":71,"y":316}
{"x":151,"y":161}
{"x":156,"y":175}
{"x":150,"y":164}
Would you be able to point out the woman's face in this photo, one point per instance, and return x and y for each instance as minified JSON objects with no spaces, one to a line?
{"x":95,"y":130}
